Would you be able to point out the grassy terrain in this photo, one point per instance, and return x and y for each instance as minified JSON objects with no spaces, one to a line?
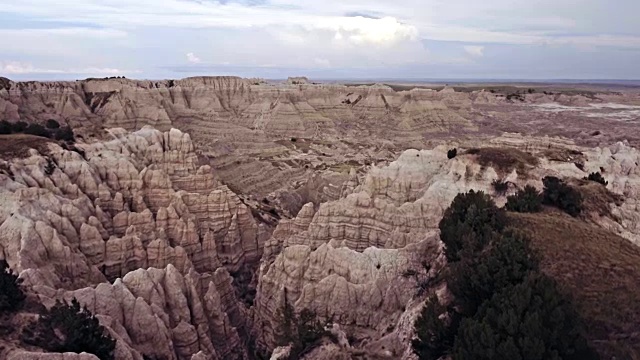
{"x":599,"y":269}
{"x":18,"y":145}
{"x":504,"y":159}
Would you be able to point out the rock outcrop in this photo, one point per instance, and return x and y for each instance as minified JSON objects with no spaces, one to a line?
{"x":176,"y":265}
{"x":329,"y":259}
{"x":139,"y":200}
{"x":140,"y":211}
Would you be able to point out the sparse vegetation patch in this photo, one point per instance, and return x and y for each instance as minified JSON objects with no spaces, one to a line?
{"x":527,"y":200}
{"x":301,"y":331}
{"x":503,"y":306}
{"x":11,"y":293}
{"x":70,"y":328}
{"x":597,"y":177}
{"x":561,"y":195}
{"x":503,"y":159}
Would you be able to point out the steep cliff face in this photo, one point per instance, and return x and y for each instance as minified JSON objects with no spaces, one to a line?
{"x":136,"y":229}
{"x":265,"y":138}
{"x":135,"y":201}
{"x":73,"y":219}
{"x":280,"y":111}
{"x":177,"y":266}
{"x":243,"y":128}
{"x":358,"y":247}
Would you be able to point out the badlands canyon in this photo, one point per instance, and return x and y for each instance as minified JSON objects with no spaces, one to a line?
{"x":188,"y":213}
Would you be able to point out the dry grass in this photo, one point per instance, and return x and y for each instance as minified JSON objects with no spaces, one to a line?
{"x":596,"y":197}
{"x":563,"y":155}
{"x":504,"y":159}
{"x":18,"y":145}
{"x":599,"y":269}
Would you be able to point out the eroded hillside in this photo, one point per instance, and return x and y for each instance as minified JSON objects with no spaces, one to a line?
{"x":295,"y":142}
{"x":180,"y":246}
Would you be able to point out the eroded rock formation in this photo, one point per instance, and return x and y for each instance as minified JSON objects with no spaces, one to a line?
{"x":146,"y":230}
{"x":73,"y":219}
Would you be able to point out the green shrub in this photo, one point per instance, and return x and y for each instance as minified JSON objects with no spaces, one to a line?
{"x":301,"y":331}
{"x":597,"y":177}
{"x":70,"y":328}
{"x":49,"y":167}
{"x":435,"y":330}
{"x":65,"y":134}
{"x":528,"y":200}
{"x":475,"y":279}
{"x":500,"y":186}
{"x":503,"y":307}
{"x":11,"y":293}
{"x":530,"y":321}
{"x":452,"y":153}
{"x":37,"y":130}
{"x":5,"y":127}
{"x":472,"y":220}
{"x":19,"y":126}
{"x":564,"y":197}
{"x":52,"y":124}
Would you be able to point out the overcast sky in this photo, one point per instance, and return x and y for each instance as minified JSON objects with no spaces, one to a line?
{"x":322,"y":39}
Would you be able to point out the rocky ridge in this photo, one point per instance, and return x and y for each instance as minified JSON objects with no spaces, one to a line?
{"x":73,"y":219}
{"x":394,"y":212}
{"x":139,"y":230}
{"x":138,"y":210}
{"x":289,"y":132}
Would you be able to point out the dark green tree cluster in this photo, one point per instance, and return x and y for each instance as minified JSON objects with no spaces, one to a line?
{"x":52,"y":130}
{"x":452,"y":153}
{"x":472,"y":221}
{"x":527,"y":200}
{"x":49,"y":167}
{"x":11,"y":293}
{"x":557,"y":193}
{"x":7,"y":127}
{"x":504,"y":307}
{"x":70,"y":328}
{"x":502,"y":264}
{"x":529,"y":321}
{"x":597,"y":177}
{"x":301,"y":331}
{"x":500,"y":186}
{"x":52,"y":124}
{"x":37,"y":130}
{"x":435,"y":330}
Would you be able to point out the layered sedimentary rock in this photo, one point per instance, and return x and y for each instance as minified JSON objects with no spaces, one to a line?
{"x":140,"y":210}
{"x":329,"y":258}
{"x":238,"y":123}
{"x":161,"y":313}
{"x":108,"y":208}
{"x":136,"y":227}
{"x":273,"y":137}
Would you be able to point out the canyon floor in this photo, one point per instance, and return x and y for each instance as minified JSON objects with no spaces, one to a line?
{"x":188,"y":212}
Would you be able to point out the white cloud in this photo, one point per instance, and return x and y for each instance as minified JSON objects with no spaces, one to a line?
{"x":322,"y":62}
{"x":474,"y":50}
{"x":192,"y":58}
{"x":492,"y":21}
{"x":366,"y":31}
{"x":19,"y":68}
{"x":69,"y":32}
{"x":304,"y":33}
